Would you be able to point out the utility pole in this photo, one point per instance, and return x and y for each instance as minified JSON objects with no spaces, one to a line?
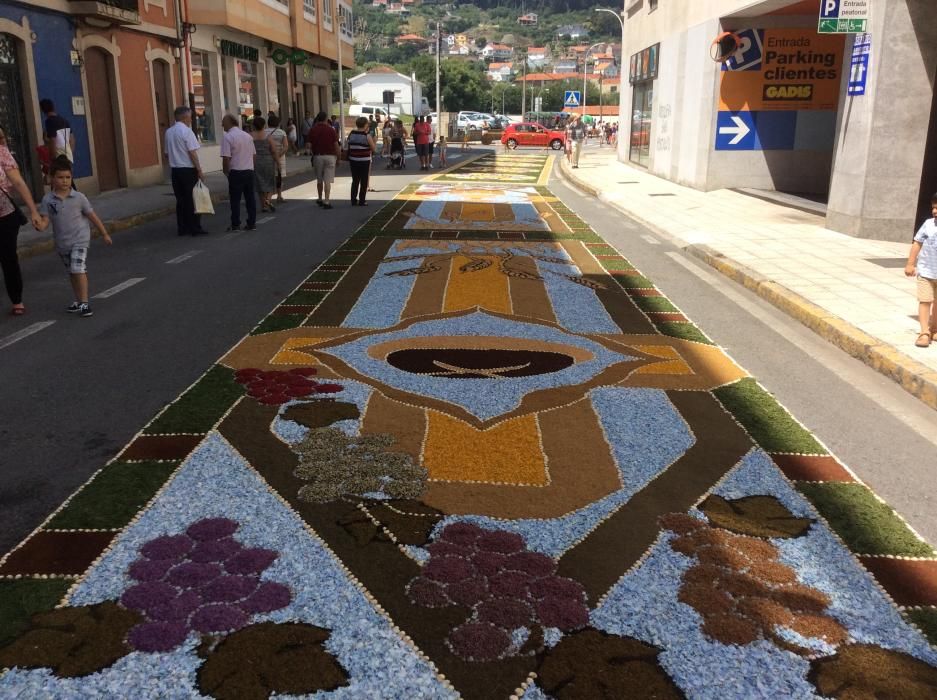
{"x":524,"y":90}
{"x":341,"y":77}
{"x":438,"y":97}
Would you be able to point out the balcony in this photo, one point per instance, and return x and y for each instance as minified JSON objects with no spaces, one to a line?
{"x":102,"y":13}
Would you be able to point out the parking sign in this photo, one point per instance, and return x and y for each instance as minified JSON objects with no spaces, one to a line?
{"x":843,"y":16}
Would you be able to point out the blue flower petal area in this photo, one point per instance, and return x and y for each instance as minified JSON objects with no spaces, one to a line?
{"x":214,"y":482}
{"x":483,"y":398}
{"x":644,"y":605}
{"x":577,"y":308}
{"x":385,"y":297}
{"x":646,"y":434}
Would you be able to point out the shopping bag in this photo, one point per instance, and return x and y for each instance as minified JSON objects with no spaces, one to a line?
{"x":202,"y":199}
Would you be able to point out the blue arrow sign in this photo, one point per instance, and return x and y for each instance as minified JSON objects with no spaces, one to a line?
{"x":735,"y":131}
{"x":859,"y":68}
{"x":572,"y":98}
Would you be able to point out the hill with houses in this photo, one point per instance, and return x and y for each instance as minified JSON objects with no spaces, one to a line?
{"x":504,"y":48}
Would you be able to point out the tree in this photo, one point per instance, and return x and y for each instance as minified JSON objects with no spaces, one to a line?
{"x":481,"y":42}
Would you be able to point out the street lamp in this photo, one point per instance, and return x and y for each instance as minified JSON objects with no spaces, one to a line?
{"x":618,"y":15}
{"x":585,"y":75}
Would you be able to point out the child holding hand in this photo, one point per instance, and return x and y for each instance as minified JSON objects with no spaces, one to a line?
{"x":71,"y":216}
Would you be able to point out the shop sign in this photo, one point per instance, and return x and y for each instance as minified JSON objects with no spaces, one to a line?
{"x":780,"y":91}
{"x":236,"y":50}
{"x":281,"y":57}
{"x":859,"y":68}
{"x":643,"y":64}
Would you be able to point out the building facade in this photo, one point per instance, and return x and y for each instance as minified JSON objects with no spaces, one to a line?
{"x":117,"y":69}
{"x":848,"y":119}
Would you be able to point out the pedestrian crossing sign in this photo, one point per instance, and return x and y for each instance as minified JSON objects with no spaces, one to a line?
{"x":573,"y":98}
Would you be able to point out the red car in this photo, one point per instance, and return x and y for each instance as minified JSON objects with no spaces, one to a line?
{"x":530,"y":134}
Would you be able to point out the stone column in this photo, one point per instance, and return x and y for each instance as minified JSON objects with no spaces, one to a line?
{"x":881,"y":135}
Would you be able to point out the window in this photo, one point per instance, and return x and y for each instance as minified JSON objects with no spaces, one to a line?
{"x":309,"y":10}
{"x":327,"y":13}
{"x":344,"y":21}
{"x":651,"y":5}
{"x":204,"y":117}
{"x":642,"y":105}
{"x":248,"y":96}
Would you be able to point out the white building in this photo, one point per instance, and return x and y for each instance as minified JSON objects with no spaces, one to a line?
{"x":368,"y":89}
{"x":843,"y":117}
{"x":497,"y":52}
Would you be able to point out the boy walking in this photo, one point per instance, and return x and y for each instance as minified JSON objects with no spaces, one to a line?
{"x":71,"y":215}
{"x":923,"y":260}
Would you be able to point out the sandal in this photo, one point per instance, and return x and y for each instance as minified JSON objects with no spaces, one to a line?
{"x":923,"y":340}
{"x":18,"y":311}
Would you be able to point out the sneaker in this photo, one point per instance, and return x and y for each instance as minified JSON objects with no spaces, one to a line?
{"x":84,"y":310}
{"x":320,"y":202}
{"x":250,"y":227}
{"x":327,"y":205}
{"x":73,"y":308}
{"x":233,"y":227}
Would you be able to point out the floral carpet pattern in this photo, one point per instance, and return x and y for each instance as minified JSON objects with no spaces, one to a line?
{"x":475,"y":454}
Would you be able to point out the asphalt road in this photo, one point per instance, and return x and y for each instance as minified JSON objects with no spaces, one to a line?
{"x":76,"y":391}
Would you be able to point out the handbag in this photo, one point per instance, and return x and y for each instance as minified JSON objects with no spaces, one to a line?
{"x":202,"y":199}
{"x":19,"y":218}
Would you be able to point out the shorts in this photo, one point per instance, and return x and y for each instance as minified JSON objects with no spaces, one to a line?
{"x":926,"y":290}
{"x":76,"y":259}
{"x":324,"y":167}
{"x":422,"y":149}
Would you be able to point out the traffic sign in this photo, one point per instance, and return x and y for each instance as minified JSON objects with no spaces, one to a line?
{"x":859,"y":68}
{"x":843,"y":16}
{"x":749,"y":54}
{"x":735,"y":131}
{"x":572,"y":98}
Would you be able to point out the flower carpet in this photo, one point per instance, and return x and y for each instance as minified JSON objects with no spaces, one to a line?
{"x":475,"y":454}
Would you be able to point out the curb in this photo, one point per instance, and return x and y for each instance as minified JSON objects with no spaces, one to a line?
{"x":914,"y":377}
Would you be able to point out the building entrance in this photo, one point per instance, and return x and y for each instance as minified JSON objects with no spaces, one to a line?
{"x":101,"y":102}
{"x":12,"y":112}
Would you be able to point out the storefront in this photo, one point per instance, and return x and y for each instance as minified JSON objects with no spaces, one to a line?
{"x":313,"y":76}
{"x":643,"y":73}
{"x":36,"y":62}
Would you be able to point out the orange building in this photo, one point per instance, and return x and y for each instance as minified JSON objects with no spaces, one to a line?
{"x":142,"y":58}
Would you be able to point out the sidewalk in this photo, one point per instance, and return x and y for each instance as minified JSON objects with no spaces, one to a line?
{"x":851,"y":291}
{"x":128,"y":207}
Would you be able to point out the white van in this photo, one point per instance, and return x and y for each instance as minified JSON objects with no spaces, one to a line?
{"x":379,"y":113}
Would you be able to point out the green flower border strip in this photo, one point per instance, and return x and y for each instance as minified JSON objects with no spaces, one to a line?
{"x":83,"y":526}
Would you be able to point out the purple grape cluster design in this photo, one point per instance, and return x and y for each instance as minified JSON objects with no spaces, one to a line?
{"x":203,"y":580}
{"x":514,"y":593}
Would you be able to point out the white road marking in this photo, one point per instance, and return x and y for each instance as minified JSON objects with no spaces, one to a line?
{"x":265,"y":219}
{"x":183,"y":257}
{"x":118,"y":288}
{"x":650,"y":239}
{"x":25,"y":333}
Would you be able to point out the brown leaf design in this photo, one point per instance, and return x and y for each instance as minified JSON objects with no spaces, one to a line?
{"x":73,"y":642}
{"x":321,"y":413}
{"x":756,"y":516}
{"x":475,"y":265}
{"x":592,"y":664}
{"x":267,"y":658}
{"x":421,"y":270}
{"x":866,"y":672}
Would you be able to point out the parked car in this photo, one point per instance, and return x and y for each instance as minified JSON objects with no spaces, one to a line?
{"x":470,"y":120}
{"x":378,"y":113}
{"x":530,"y":134}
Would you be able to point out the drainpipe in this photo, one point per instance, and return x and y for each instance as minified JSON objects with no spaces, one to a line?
{"x":186,"y":56}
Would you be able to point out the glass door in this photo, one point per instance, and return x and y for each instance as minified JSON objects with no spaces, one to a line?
{"x":641,"y":107}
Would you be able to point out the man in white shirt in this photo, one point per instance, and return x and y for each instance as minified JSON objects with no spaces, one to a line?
{"x":182,"y":152}
{"x":237,"y":161}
